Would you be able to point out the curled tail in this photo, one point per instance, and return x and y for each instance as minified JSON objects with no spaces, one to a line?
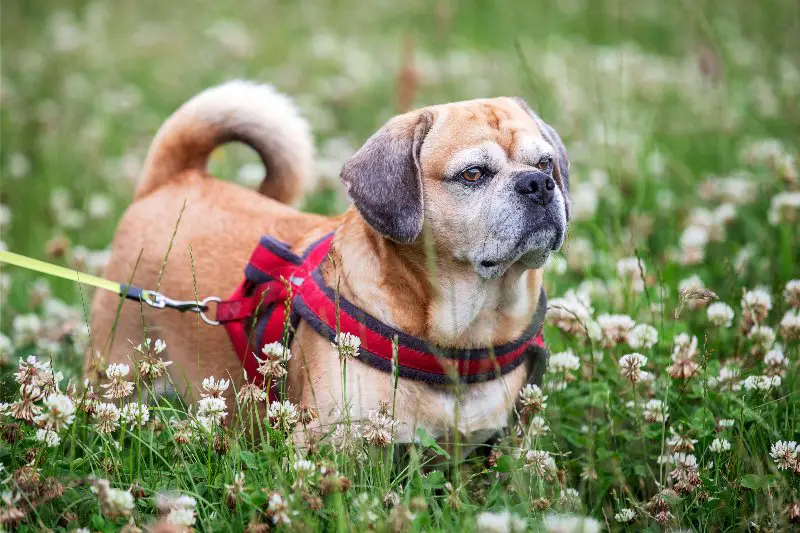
{"x":254,"y":114}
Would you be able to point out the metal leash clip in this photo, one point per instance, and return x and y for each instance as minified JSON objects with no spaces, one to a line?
{"x":160,"y":301}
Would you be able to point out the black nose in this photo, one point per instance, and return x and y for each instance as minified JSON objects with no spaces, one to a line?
{"x":537,"y":186}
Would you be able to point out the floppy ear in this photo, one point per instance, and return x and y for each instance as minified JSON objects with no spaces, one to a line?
{"x":383,"y":177}
{"x":551,"y":136}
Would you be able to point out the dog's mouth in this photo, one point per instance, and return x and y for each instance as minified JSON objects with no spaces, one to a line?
{"x":531,"y":250}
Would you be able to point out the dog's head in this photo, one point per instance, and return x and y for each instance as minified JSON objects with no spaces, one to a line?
{"x":488,"y":178}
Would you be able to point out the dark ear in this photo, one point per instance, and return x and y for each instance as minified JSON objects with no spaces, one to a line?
{"x":551,"y":136}
{"x":383,"y":178}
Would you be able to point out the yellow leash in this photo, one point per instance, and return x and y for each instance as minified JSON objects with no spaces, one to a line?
{"x":151,"y":298}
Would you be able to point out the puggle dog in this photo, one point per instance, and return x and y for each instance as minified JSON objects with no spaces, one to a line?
{"x":455,"y":210}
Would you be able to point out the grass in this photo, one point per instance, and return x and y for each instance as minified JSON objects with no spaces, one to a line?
{"x":659,"y":104}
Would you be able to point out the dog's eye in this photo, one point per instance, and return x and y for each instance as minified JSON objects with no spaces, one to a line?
{"x":543,"y":164}
{"x":473,"y":174}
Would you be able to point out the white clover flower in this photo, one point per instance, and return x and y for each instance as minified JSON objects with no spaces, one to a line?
{"x":283,"y":415}
{"x":181,"y":517}
{"x":727,"y":380}
{"x":655,"y":411}
{"x":59,"y":413}
{"x":117,"y":371}
{"x":379,"y":429}
{"x":692,"y":283}
{"x":278,"y":509}
{"x":214,"y":389}
{"x":118,"y":502}
{"x":539,"y":463}
{"x":276,"y":350}
{"x":6,"y":347}
{"x":614,"y":329}
{"x":107,"y":417}
{"x":762,"y":336}
{"x":791,"y":293}
{"x":568,"y":523}
{"x":720,"y":314}
{"x":761,"y":383}
{"x":347,"y":345}
{"x":48,"y":436}
{"x":725,"y":423}
{"x":304,"y":467}
{"x":756,"y":304}
{"x":532,"y":398}
{"x":26,"y":329}
{"x":642,"y":336}
{"x":719,"y":445}
{"x":693,"y":243}
{"x":538,"y":427}
{"x":790,"y":325}
{"x":135,"y":414}
{"x":213,"y":408}
{"x":625,"y":516}
{"x":776,"y":362}
{"x":785,"y":454}
{"x":784,"y":208}
{"x":571,"y":314}
{"x":631,"y":365}
{"x":564,"y":362}
{"x":500,"y":522}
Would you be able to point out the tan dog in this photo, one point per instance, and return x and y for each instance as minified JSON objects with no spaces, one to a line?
{"x":456,"y":208}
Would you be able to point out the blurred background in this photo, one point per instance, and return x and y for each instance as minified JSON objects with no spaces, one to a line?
{"x":660,"y":105}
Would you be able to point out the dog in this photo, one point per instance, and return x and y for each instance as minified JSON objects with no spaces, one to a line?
{"x":456,"y":208}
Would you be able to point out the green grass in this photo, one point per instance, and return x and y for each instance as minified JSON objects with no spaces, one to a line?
{"x":697,"y":85}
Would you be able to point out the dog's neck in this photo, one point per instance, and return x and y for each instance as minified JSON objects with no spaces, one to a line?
{"x":443,"y":301}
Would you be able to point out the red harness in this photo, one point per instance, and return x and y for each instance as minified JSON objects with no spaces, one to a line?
{"x":279,"y":282}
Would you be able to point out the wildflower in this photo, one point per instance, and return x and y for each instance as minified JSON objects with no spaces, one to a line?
{"x":183,"y":430}
{"x":655,"y":411}
{"x":391,"y":499}
{"x":642,"y":336}
{"x":212,"y":408}
{"x":791,"y":293}
{"x":59,"y":414}
{"x":762,"y":338}
{"x":725,"y":423}
{"x":614,"y":329}
{"x":786,"y":455}
{"x":303,"y":469}
{"x":307,"y":414}
{"x":727,"y":380}
{"x":568,"y":523}
{"x":571,"y":314}
{"x":625,"y":516}
{"x":790,"y":325}
{"x":379,"y":430}
{"x":685,"y":476}
{"x":107,"y":417}
{"x":500,"y":522}
{"x":276,"y":357}
{"x":179,"y":510}
{"x":532,"y":398}
{"x":48,"y":436}
{"x":761,"y":383}
{"x":756,"y":305}
{"x":119,"y":387}
{"x":720,"y":445}
{"x":538,"y":427}
{"x":683,"y":365}
{"x":6,"y":348}
{"x":114,"y":502}
{"x":214,"y":389}
{"x":135,"y":414}
{"x":283,"y":415}
{"x":784,"y":208}
{"x":347,"y":345}
{"x":250,"y":393}
{"x":693,"y":243}
{"x":346,"y":435}
{"x":677,"y":442}
{"x":25,"y":408}
{"x":630,"y":366}
{"x":775,"y":362}
{"x":562,"y":364}
{"x":278,"y":509}
{"x":29,"y":370}
{"x":539,"y":463}
{"x":234,"y":490}
{"x":632,"y":270}
{"x":720,"y":314}
{"x":150,"y":366}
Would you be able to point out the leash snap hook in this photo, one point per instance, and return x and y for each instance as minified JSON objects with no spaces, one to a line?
{"x":159,"y":301}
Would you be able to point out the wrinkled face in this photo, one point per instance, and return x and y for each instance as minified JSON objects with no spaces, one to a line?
{"x":488,"y":178}
{"x":493,"y":194}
